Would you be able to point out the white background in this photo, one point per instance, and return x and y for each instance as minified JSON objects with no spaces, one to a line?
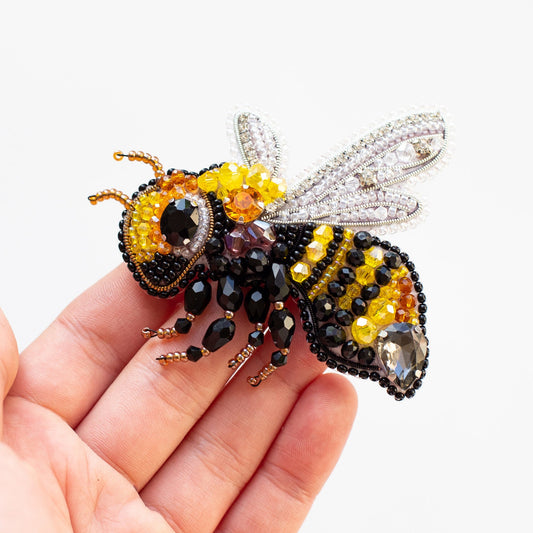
{"x":79,"y":81}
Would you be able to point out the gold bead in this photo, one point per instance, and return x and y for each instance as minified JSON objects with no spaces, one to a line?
{"x":278,"y":306}
{"x":190,"y":317}
{"x":228,"y":314}
{"x":205,"y":351}
{"x":285,"y":351}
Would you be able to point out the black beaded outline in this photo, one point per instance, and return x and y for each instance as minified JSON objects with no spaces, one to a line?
{"x":342,"y":365}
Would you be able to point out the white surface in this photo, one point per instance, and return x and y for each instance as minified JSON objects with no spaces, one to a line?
{"x":81,"y":81}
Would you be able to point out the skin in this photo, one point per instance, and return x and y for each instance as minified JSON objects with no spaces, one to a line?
{"x":95,"y":436}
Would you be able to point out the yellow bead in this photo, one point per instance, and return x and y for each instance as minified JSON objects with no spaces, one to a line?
{"x":365,"y":275}
{"x":143,"y":229}
{"x":244,"y":205}
{"x":348,"y":234}
{"x":364,"y":331}
{"x":300,"y":271}
{"x":147,"y":213}
{"x":400,"y":272}
{"x":381,"y":311}
{"x":316,"y":251}
{"x":353,"y":290}
{"x":345,"y":302}
{"x":374,"y":256}
{"x":277,"y":187}
{"x":323,"y":233}
{"x":208,"y":181}
{"x":231,"y":175}
{"x":258,"y":177}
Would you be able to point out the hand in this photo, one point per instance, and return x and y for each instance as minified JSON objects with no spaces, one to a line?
{"x":96,"y":436}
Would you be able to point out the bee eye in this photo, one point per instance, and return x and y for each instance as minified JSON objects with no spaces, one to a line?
{"x":179,"y":222}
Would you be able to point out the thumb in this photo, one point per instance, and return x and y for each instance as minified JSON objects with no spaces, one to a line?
{"x":8,"y":361}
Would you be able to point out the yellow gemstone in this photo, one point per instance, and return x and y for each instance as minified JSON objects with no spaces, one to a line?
{"x":277,"y":187}
{"x":244,"y":205}
{"x":374,"y":256}
{"x":222,"y":192}
{"x":208,"y":181}
{"x":365,"y":275}
{"x":345,"y":302}
{"x":323,"y":233}
{"x":315,"y":251}
{"x":364,"y":331}
{"x":232,"y":175}
{"x":382,"y":311}
{"x":413,"y":318}
{"x":353,"y":290}
{"x":147,"y":213}
{"x":400,"y":272}
{"x":143,"y":229}
{"x":258,"y":177}
{"x":348,"y":234}
{"x":300,"y":271}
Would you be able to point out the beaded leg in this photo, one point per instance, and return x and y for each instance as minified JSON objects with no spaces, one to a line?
{"x":256,"y":304}
{"x":197,"y":296}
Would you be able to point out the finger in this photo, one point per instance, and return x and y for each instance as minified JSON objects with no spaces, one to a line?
{"x":281,"y":492}
{"x":148,"y":409}
{"x":8,"y":360}
{"x":224,"y":449}
{"x":72,"y":363}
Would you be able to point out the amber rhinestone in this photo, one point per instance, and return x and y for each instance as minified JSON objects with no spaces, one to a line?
{"x":244,"y":205}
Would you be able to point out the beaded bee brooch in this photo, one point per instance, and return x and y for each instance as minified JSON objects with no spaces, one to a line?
{"x":360,"y":299}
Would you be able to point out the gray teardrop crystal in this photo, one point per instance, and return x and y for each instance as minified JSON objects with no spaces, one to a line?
{"x":402,"y":349}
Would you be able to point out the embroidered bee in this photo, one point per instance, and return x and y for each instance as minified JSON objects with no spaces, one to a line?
{"x":360,"y":299}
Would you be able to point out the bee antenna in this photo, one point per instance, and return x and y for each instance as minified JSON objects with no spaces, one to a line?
{"x":111,"y":194}
{"x":145,"y":158}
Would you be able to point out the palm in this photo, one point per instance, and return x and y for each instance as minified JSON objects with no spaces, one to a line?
{"x":97,"y":437}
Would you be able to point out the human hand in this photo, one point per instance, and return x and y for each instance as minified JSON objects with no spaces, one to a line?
{"x":96,"y":436}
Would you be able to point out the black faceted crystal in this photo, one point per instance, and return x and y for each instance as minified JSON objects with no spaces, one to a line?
{"x":336,"y":289}
{"x":383,"y":275}
{"x":358,"y":306}
{"x":392,"y":259}
{"x":183,"y":325}
{"x":256,"y":304}
{"x":278,"y":359}
{"x":366,"y":355}
{"x":355,"y":257}
{"x":349,"y":349}
{"x":346,"y":276}
{"x":282,"y":326}
{"x":179,"y":222}
{"x":229,"y":293}
{"x":197,"y":296}
{"x":343,"y":317}
{"x":324,"y":306}
{"x":194,"y":353}
{"x":369,"y":292}
{"x":276,"y":283}
{"x":362,"y":240}
{"x":256,"y":338}
{"x":257,"y":260}
{"x":219,"y":333}
{"x":331,"y":335}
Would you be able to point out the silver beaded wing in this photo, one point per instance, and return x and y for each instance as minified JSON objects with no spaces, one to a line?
{"x":359,"y":187}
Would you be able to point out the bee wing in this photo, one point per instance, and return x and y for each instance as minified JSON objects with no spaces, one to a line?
{"x":360,"y":186}
{"x":257,"y":142}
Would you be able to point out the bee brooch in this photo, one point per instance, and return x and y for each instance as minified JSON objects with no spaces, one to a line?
{"x":360,"y":298}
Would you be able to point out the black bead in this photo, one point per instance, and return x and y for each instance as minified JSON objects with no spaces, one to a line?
{"x":355,"y":257}
{"x":257,"y":260}
{"x":353,"y":371}
{"x":342,"y":369}
{"x":312,"y":280}
{"x":410,"y":266}
{"x":346,"y":275}
{"x":182,"y":325}
{"x":404,"y":256}
{"x":321,"y":265}
{"x":137,"y":276}
{"x":410,"y":393}
{"x":369,"y":292}
{"x":362,"y":240}
{"x":297,"y":255}
{"x":384,"y":382}
{"x":422,"y":308}
{"x":383,"y":275}
{"x":349,"y":349}
{"x":374,"y":376}
{"x":197,"y":296}
{"x":214,"y":246}
{"x":219,"y":264}
{"x":418,"y":286}
{"x":194,"y":353}
{"x":343,"y":317}
{"x":331,"y":364}
{"x":179,"y":221}
{"x":336,"y":289}
{"x":183,"y":283}
{"x":294,"y":292}
{"x":237,"y":266}
{"x":229,"y":293}
{"x":322,"y":357}
{"x":121,"y":247}
{"x":314,"y":347}
{"x":219,"y":333}
{"x":324,"y":306}
{"x":358,"y":306}
{"x":385,"y":245}
{"x":279,"y":252}
{"x":399,"y":396}
{"x":256,"y":304}
{"x":421,"y":297}
{"x":307,"y":326}
{"x":131,"y":266}
{"x":282,"y":326}
{"x":331,"y":335}
{"x":256,"y":338}
{"x":278,"y":359}
{"x":363,"y":374}
{"x":366,"y":355}
{"x":422,"y":319}
{"x":276,"y":283}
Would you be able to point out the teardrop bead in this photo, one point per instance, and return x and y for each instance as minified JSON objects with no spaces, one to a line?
{"x":276,"y":283}
{"x":219,"y":333}
{"x":229,"y":293}
{"x":282,"y":326}
{"x":256,"y":304}
{"x":197,"y":296}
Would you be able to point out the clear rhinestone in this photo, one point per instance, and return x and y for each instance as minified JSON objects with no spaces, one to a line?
{"x":402,"y":349}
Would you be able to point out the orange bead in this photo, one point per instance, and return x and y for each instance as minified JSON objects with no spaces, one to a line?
{"x":407,"y":301}
{"x":192,"y":184}
{"x":402,"y":315}
{"x":405,"y":285}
